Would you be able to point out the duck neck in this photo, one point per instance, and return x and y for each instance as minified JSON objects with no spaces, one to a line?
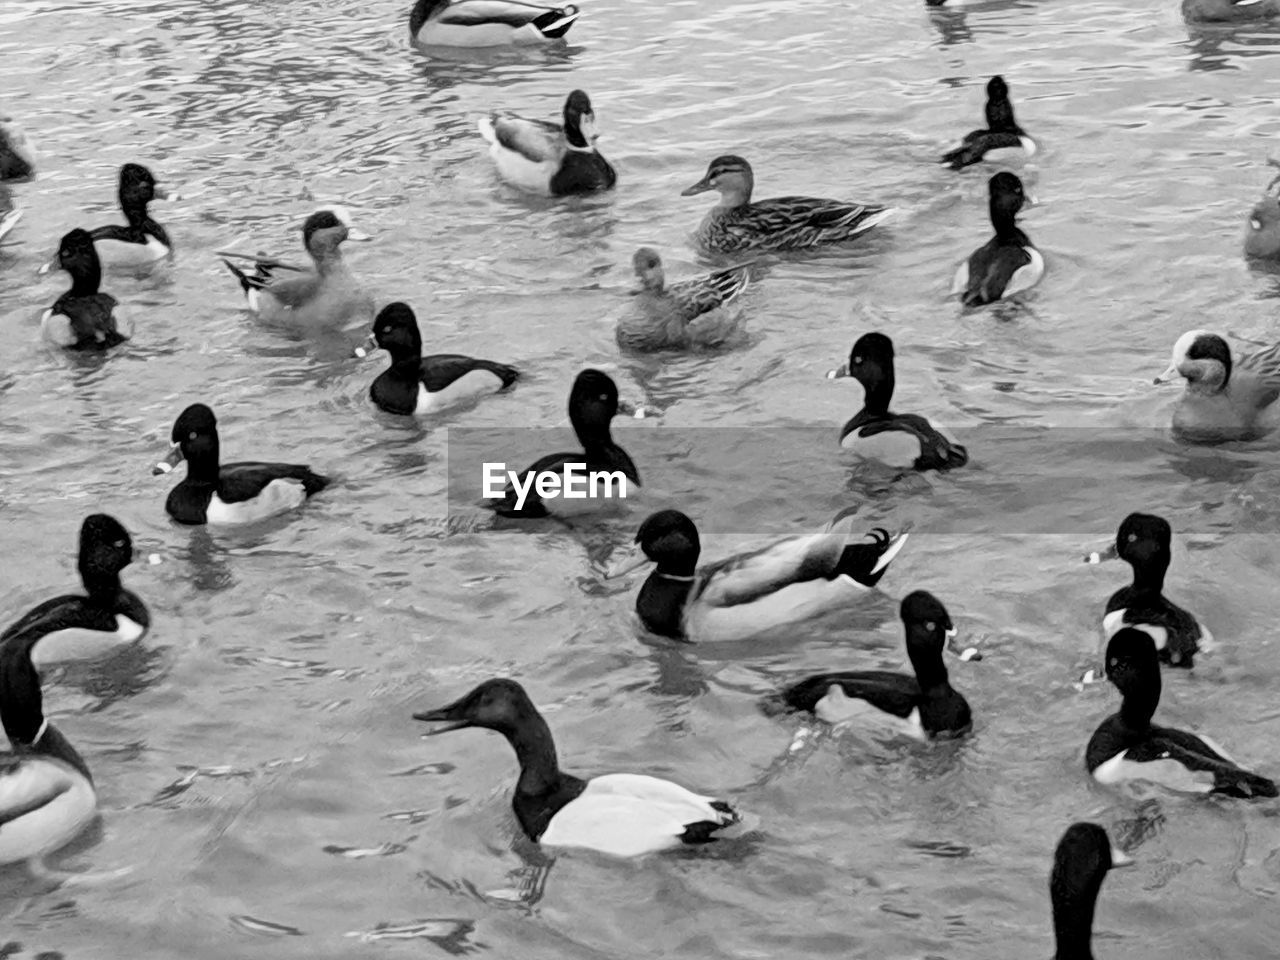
{"x":1004,"y":220}
{"x":1073,"y":923}
{"x":931,"y":672}
{"x":879,"y":394}
{"x":536,"y":751}
{"x":86,"y":280}
{"x":1148,"y":574}
{"x":102,"y":586}
{"x":22,"y":705}
{"x":1139,"y":704}
{"x":203,"y":457}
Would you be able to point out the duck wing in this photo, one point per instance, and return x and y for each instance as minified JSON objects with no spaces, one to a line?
{"x":700,"y":295}
{"x":26,"y":787}
{"x":439,"y":370}
{"x":805,"y":221}
{"x":539,"y":141}
{"x":474,"y":13}
{"x":238,"y":482}
{"x":1177,"y":634}
{"x":990,"y":269}
{"x":1260,"y":373}
{"x":1200,"y":755}
{"x":894,"y":693}
{"x":937,"y":450}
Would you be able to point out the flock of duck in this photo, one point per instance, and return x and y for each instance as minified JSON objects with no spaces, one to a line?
{"x":47,"y":795}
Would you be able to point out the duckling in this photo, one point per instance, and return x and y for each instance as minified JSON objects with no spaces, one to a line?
{"x":1223,"y":400}
{"x":415,"y":384}
{"x":1229,"y":11}
{"x":780,"y":223}
{"x":1080,"y":864}
{"x":905,"y":440}
{"x":751,"y":593}
{"x":140,"y":241}
{"x":1129,"y":747}
{"x":619,"y":814}
{"x":546,"y":158}
{"x":17,"y":155}
{"x":693,"y":312}
{"x":1007,"y":264}
{"x":488,"y":23}
{"x":84,"y":318}
{"x":1002,"y":132}
{"x":329,"y":296}
{"x":226,"y":493}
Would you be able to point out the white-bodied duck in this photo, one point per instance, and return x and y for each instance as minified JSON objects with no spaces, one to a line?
{"x":547,"y":158}
{"x":488,"y":23}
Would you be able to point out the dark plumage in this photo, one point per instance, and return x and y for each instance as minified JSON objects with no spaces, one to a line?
{"x":1007,"y":263}
{"x":1001,"y":132}
{"x":83,"y":318}
{"x":1080,"y":864}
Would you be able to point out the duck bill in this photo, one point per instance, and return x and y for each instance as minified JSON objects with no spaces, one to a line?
{"x":48,"y":266}
{"x":1168,"y":376}
{"x":370,"y":344}
{"x":444,"y":720}
{"x":164,"y":193}
{"x":839,"y":372}
{"x":634,"y":559}
{"x":359,"y":236}
{"x":169,"y":462}
{"x":702,"y":186}
{"x":963,"y":653}
{"x":1120,"y":859}
{"x":629,"y":409}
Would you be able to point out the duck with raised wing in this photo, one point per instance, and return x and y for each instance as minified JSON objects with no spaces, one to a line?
{"x":17,"y":155}
{"x":547,"y":158}
{"x":697,"y":312}
{"x":226,"y":493}
{"x":488,"y":23}
{"x":1007,"y":264}
{"x":619,"y":814}
{"x":1224,"y":399}
{"x":924,"y":706}
{"x":84,"y":318}
{"x":1229,"y":11}
{"x":747,"y":594}
{"x":1001,"y":136}
{"x":903,"y":440}
{"x":780,"y":223}
{"x":1080,"y":863}
{"x":1129,"y":747}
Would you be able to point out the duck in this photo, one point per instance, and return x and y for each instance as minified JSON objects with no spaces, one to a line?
{"x":415,"y":384}
{"x":1262,"y":232}
{"x":1224,"y":399}
{"x":140,"y":240}
{"x":1127,"y":746}
{"x":781,"y":223}
{"x":1144,"y":542}
{"x":17,"y":155}
{"x":47,"y":795}
{"x":593,"y":403}
{"x":693,"y":312}
{"x":106,"y":614}
{"x":1229,"y":11}
{"x":902,"y":440}
{"x":1007,"y":264}
{"x":546,"y":158}
{"x":84,"y":318}
{"x":328,"y":296}
{"x":924,"y":706}
{"x":1002,"y":132}
{"x":1081,"y":861}
{"x":747,"y":594}
{"x":228,"y":493}
{"x":622,"y":815}
{"x":488,"y":23}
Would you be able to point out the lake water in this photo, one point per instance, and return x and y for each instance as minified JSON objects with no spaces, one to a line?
{"x":255,"y":756}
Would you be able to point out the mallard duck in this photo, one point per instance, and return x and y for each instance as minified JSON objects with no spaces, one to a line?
{"x":693,"y":312}
{"x":1129,"y":747}
{"x":784,"y":583}
{"x":619,"y":814}
{"x":487,"y":23}
{"x":1080,"y":864}
{"x":1002,"y":131}
{"x":17,"y":155}
{"x":1007,"y":264}
{"x":84,"y":318}
{"x":543,"y":157}
{"x":415,"y":384}
{"x":1223,"y":400}
{"x":1229,"y":11}
{"x":780,"y":223}
{"x":329,"y":296}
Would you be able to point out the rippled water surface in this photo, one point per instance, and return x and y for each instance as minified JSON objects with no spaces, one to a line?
{"x":255,"y":757}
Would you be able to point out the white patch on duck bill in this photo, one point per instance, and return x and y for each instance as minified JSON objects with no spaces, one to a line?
{"x":840,"y":710}
{"x":1114,"y":620}
{"x":80,"y":643}
{"x":69,"y":806}
{"x":56,"y":328}
{"x":123,"y":253}
{"x":1166,"y":773}
{"x":1026,"y":276}
{"x":794,"y":603}
{"x":278,"y":496}
{"x":468,"y":386}
{"x":893,"y":448}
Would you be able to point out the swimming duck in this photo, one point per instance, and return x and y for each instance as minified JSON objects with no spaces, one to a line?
{"x":1229,"y":11}
{"x":108,"y":613}
{"x":229,"y":492}
{"x":1262,"y":233}
{"x":593,"y":403}
{"x":84,"y":318}
{"x":923,"y":706}
{"x":780,"y":223}
{"x":1222,"y":400}
{"x":140,"y":240}
{"x":1007,"y":264}
{"x":546,"y":158}
{"x":1002,"y":132}
{"x":620,"y":814}
{"x":1128,"y":746}
{"x":693,"y":312}
{"x":17,"y":156}
{"x":487,"y":23}
{"x":750,"y":593}
{"x":1080,"y":864}
{"x":329,"y":296}
{"x":46,"y":791}
{"x":415,"y":384}
{"x":1144,"y":542}
{"x":876,"y":433}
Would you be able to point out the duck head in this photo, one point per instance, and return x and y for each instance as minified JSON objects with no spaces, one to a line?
{"x":731,"y":175}
{"x":1005,"y":198}
{"x":1262,"y":232}
{"x":77,"y":256}
{"x":1133,"y":666}
{"x":667,"y":538}
{"x":580,"y":121}
{"x":195,"y":439}
{"x":593,"y":403}
{"x":105,"y":549}
{"x":326,"y":229}
{"x":1144,"y":541}
{"x":1080,"y":864}
{"x":1203,"y":358}
{"x":395,"y":330}
{"x":871,"y":364}
{"x":648,"y":267}
{"x":138,"y":187}
{"x":500,"y":704}
{"x":997,"y":89}
{"x":929,"y":632}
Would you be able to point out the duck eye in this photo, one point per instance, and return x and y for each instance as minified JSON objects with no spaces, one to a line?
{"x":931,"y":626}
{"x":118,"y":543}
{"x":1133,"y":537}
{"x":191,"y":435}
{"x":857,"y":361}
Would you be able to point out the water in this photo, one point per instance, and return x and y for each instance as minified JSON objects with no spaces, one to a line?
{"x":255,"y":758}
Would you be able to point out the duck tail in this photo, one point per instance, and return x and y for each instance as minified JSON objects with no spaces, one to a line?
{"x":246,"y":284}
{"x":555,"y":23}
{"x":866,"y":562}
{"x":703,"y":831}
{"x":504,"y":372}
{"x":312,"y":482}
{"x":961,"y":157}
{"x":955,"y":455}
{"x":1241,"y":783}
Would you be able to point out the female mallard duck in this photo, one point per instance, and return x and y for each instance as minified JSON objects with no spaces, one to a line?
{"x":1002,"y":132}
{"x":487,"y":23}
{"x":1223,"y":400}
{"x":546,"y":158}
{"x":1006,"y":264}
{"x":620,"y":814}
{"x":415,"y":384}
{"x":780,"y":223}
{"x":17,"y":156}
{"x":1129,"y":747}
{"x":905,"y":440}
{"x":84,"y":318}
{"x":1229,"y":11}
{"x":750,"y":593}
{"x":693,"y":312}
{"x":1080,"y":864}
{"x":329,"y":296}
